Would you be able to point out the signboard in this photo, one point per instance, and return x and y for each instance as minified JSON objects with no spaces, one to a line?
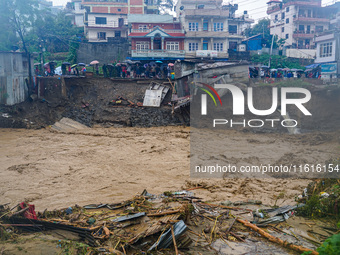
{"x":329,"y":68}
{"x":206,"y":54}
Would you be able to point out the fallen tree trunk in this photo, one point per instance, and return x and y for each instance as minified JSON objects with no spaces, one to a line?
{"x":276,"y":239}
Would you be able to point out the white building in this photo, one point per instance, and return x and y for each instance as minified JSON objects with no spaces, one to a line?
{"x":211,"y":27}
{"x":298,"y":22}
{"x":77,"y":12}
{"x":328,"y":55}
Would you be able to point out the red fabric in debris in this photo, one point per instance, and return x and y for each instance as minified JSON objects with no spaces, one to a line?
{"x":30,"y":213}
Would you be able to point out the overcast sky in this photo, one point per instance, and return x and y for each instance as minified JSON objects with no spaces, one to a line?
{"x":256,"y":8}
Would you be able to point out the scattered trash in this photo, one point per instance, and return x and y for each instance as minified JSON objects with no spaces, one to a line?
{"x":166,"y":239}
{"x":129,"y":217}
{"x":68,"y":210}
{"x":149,"y":222}
{"x":5,"y":115}
{"x":324,"y":194}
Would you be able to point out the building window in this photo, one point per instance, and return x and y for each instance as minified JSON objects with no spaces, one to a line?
{"x":201,"y":6}
{"x":309,"y":13}
{"x":282,"y":29}
{"x":276,"y":17}
{"x":287,"y":21}
{"x":100,"y":20}
{"x":301,"y":28}
{"x":193,"y":26}
{"x":232,"y":45}
{"x":140,"y":46}
{"x":283,"y":15}
{"x":218,"y":46}
{"x":287,"y":9}
{"x":205,"y":25}
{"x":101,"y":35}
{"x":118,"y":34}
{"x":193,"y":46}
{"x":233,"y":29}
{"x":318,"y":29}
{"x":287,"y":36}
{"x":172,"y":45}
{"x":218,"y":26}
{"x":326,"y":50}
{"x":119,"y":10}
{"x":142,"y":27}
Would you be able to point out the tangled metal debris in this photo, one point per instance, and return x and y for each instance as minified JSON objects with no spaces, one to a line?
{"x":146,"y":223}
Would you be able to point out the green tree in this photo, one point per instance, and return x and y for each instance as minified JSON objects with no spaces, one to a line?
{"x":263,"y":28}
{"x":56,"y":32}
{"x":20,"y":17}
{"x":277,"y":61}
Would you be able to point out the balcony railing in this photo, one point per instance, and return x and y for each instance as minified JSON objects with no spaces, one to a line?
{"x":206,"y":12}
{"x":273,"y":9}
{"x":109,"y":24}
{"x":299,"y":3}
{"x":158,"y":53}
{"x":306,"y":47}
{"x":303,"y":34}
{"x":150,"y":30}
{"x":311,"y":19}
{"x":105,"y":1}
{"x":213,"y":34}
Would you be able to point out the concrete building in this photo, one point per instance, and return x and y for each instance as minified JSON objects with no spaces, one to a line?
{"x":77,"y":12}
{"x":298,"y":22}
{"x":211,"y":28}
{"x":158,"y":37}
{"x":105,"y":19}
{"x":13,"y":72}
{"x":335,"y":18}
{"x":328,"y":54}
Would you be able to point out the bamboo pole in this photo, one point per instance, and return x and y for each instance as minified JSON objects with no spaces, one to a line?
{"x":174,"y":239}
{"x":276,"y":239}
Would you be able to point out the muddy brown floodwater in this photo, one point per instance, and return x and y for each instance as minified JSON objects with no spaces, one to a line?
{"x":55,"y":170}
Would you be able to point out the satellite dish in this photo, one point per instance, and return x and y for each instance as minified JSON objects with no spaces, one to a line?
{"x":181,"y":8}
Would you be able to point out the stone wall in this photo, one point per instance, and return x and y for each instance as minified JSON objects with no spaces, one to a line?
{"x":105,"y":53}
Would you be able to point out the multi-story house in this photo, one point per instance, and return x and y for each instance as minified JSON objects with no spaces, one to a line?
{"x":328,"y":47}
{"x":328,"y":54}
{"x":211,"y":28}
{"x":105,"y":19}
{"x":298,"y":22}
{"x":335,"y":18}
{"x":155,"y":37}
{"x":76,"y":11}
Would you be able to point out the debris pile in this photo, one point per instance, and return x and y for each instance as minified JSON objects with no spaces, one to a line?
{"x":321,"y":197}
{"x":170,"y":223}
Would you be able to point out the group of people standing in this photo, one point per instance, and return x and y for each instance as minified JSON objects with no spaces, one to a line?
{"x":137,"y":70}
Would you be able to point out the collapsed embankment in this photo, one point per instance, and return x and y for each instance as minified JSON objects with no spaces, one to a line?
{"x":90,"y":101}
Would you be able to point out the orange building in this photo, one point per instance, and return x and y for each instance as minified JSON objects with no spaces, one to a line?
{"x":158,"y":37}
{"x":105,"y":19}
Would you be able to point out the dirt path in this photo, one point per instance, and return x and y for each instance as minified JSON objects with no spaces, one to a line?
{"x":56,"y":170}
